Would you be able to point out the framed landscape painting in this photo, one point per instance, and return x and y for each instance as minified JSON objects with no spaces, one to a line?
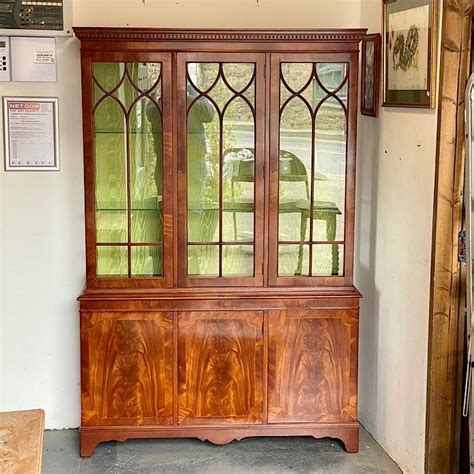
{"x":370,"y":83}
{"x":410,"y":53}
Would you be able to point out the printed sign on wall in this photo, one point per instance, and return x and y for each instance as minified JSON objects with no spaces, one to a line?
{"x":31,"y":133}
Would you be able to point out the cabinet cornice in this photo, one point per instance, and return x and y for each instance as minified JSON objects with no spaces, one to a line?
{"x":237,"y":35}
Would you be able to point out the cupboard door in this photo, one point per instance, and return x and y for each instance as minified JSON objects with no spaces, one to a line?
{"x":220,"y":358}
{"x":126,"y":369}
{"x":130,"y":207}
{"x":312,"y":140}
{"x":220,"y":168}
{"x":312,"y":366}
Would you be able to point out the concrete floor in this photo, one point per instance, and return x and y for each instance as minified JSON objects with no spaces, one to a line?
{"x":252,"y":455}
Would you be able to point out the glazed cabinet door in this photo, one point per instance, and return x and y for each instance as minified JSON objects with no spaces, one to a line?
{"x":312,"y":168}
{"x":126,"y":369}
{"x":221,"y":115}
{"x":220,"y":367}
{"x":312,"y":366}
{"x":128,"y":165}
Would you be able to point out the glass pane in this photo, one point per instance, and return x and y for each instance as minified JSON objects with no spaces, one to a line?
{"x":238,"y":179}
{"x":146,"y":159}
{"x":295,"y":171}
{"x":203,"y":172}
{"x":221,"y":165}
{"x":144,"y":76}
{"x":331,"y":75}
{"x":300,"y":79}
{"x":112,"y":261}
{"x":237,"y":224}
{"x":296,"y":75}
{"x":111,"y":226}
{"x":133,"y":91}
{"x":203,"y":260}
{"x":330,"y":178}
{"x":293,"y":260}
{"x":110,"y":171}
{"x":147,"y":224}
{"x":239,"y":75}
{"x":147,"y":261}
{"x":328,"y":260}
{"x":108,"y":76}
{"x":220,"y":94}
{"x":202,"y":76}
{"x":237,"y":260}
{"x":342,"y":94}
{"x":97,"y":93}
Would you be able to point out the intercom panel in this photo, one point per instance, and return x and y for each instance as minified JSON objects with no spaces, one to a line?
{"x":5,"y":64}
{"x":34,"y":15}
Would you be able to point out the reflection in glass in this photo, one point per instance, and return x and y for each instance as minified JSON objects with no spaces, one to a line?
{"x":110,"y":172}
{"x":128,"y":135}
{"x":203,"y":171}
{"x":296,"y":75}
{"x":312,"y":166}
{"x":108,"y":76}
{"x":146,"y":172}
{"x":237,"y":260}
{"x":208,"y":258}
{"x":147,"y":261}
{"x":329,"y":193}
{"x":293,"y":260}
{"x":220,"y":167}
{"x":332,"y":75}
{"x":295,"y":170}
{"x":111,"y":226}
{"x":328,"y":260}
{"x":238,"y":180}
{"x":112,"y":261}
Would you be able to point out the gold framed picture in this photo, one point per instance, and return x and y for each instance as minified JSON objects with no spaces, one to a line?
{"x":410,"y":53}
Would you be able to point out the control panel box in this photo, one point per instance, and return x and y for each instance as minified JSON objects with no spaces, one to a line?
{"x":33,"y":17}
{"x":5,"y":59}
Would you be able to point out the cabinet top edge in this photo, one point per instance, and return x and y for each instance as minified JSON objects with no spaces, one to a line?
{"x":240,"y":35}
{"x":219,"y":293}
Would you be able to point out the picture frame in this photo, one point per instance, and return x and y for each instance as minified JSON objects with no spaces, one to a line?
{"x":410,"y":53}
{"x":31,"y":133}
{"x":371,"y":71}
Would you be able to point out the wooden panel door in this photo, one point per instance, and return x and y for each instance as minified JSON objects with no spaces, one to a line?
{"x":220,"y":357}
{"x":126,"y":369}
{"x":312,"y":366}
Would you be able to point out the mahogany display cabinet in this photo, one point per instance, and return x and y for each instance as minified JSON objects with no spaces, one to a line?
{"x":219,"y":184}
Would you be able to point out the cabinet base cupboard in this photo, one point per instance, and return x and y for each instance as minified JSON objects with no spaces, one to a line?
{"x":219,"y":183}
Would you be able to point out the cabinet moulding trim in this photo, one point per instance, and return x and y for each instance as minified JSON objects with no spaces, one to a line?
{"x":150,"y":34}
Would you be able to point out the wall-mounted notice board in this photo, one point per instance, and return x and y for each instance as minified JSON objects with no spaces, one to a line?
{"x":31,"y":133}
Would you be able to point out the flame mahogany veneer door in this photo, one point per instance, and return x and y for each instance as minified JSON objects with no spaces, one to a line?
{"x":127,"y":369}
{"x":312,"y":366}
{"x":220,"y":367}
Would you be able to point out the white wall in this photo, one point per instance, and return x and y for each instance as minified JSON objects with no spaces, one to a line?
{"x":42,"y":221}
{"x":218,"y":13}
{"x":42,"y":267}
{"x":396,"y":167}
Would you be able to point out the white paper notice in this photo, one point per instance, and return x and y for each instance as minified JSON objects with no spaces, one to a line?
{"x":45,"y":57}
{"x":31,"y":134}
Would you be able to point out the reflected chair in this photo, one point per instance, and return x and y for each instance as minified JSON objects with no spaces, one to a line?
{"x":292,"y":170}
